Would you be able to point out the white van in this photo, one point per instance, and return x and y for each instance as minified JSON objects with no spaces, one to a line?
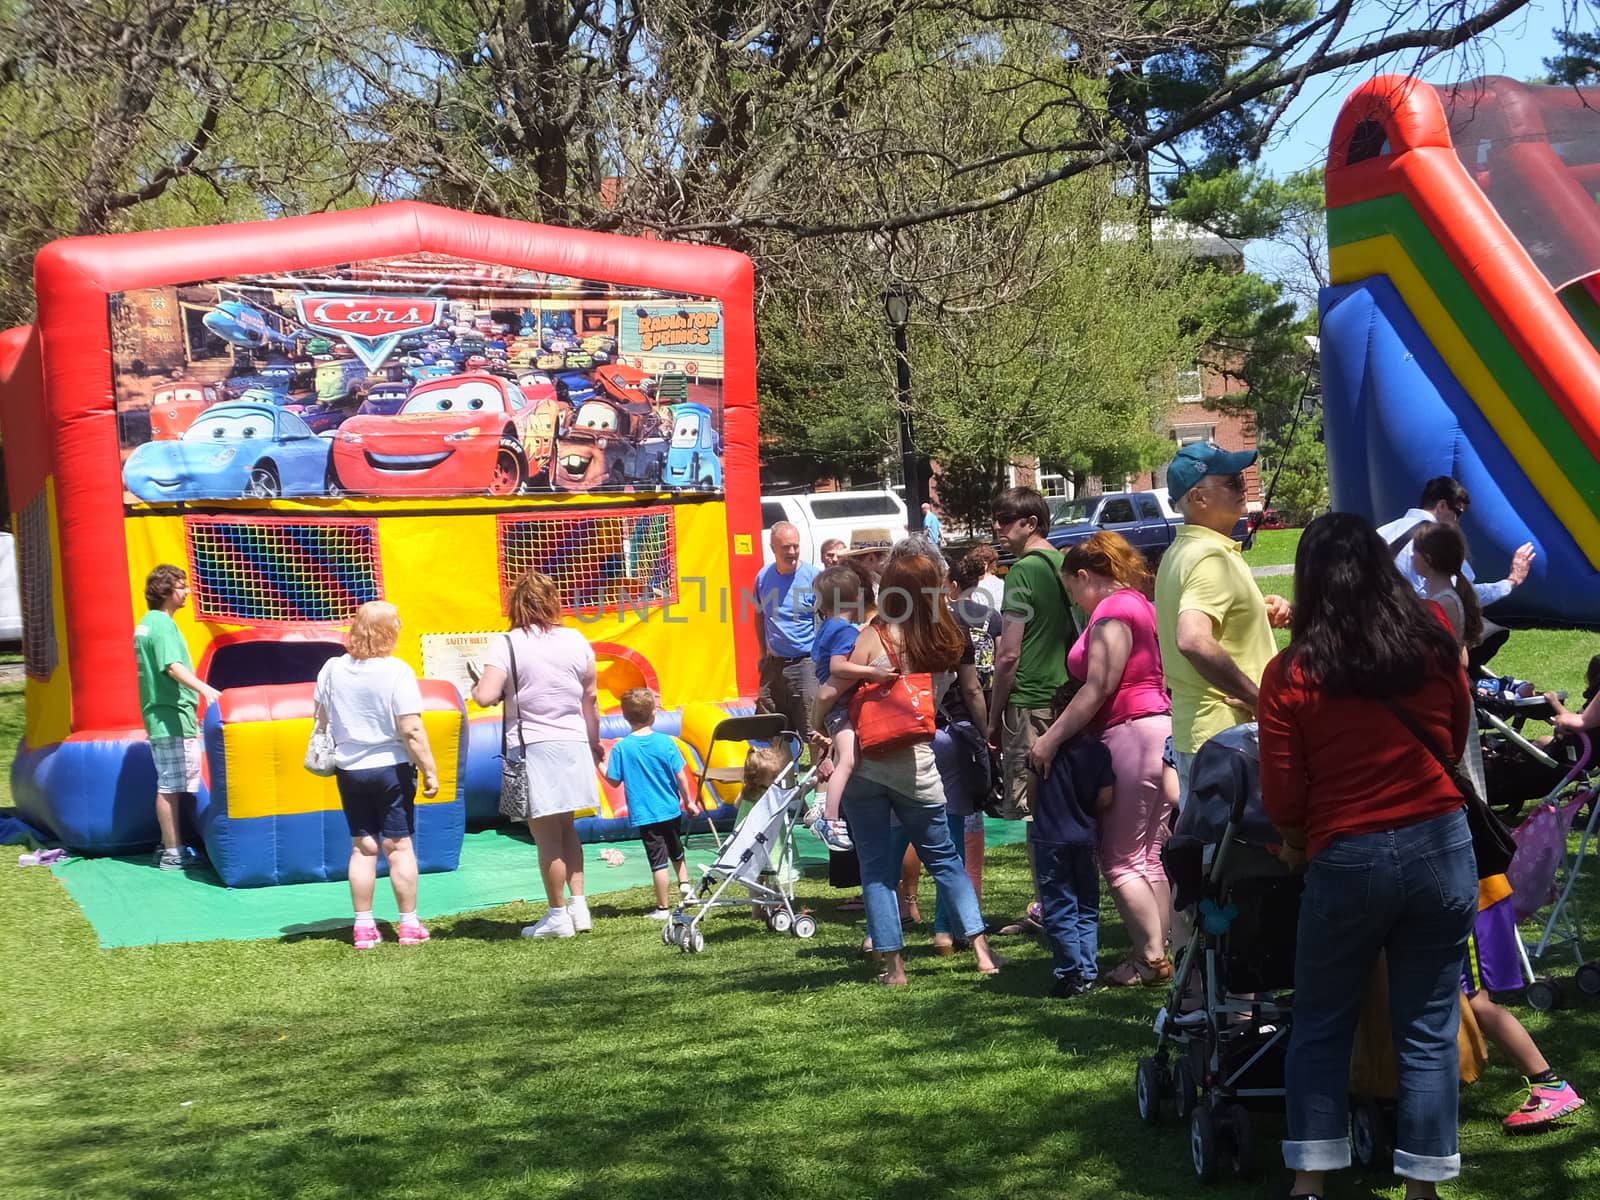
{"x":823,"y":515}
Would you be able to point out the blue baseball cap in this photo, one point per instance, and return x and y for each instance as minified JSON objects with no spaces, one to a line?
{"x":1199,"y":459}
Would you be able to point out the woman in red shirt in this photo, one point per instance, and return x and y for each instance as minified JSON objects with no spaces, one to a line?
{"x":1380,"y":828}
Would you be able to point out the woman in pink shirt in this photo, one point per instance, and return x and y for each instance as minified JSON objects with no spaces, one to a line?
{"x":1123,"y":702}
{"x":544,"y":674}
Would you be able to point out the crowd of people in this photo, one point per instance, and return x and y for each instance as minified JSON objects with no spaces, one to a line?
{"x":1073,"y":695}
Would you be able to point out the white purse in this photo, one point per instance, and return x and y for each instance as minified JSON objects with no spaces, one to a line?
{"x":319,"y":751}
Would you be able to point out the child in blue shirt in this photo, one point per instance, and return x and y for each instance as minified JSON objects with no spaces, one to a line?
{"x":649,"y":767}
{"x":840,"y":596}
{"x":1063,"y":835}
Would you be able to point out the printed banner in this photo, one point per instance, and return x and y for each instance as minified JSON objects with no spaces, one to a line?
{"x":423,"y":376}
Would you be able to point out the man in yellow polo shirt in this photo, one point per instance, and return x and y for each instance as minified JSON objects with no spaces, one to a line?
{"x":1214,"y":624}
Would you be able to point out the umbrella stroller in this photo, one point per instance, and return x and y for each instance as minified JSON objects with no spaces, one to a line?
{"x":758,"y":857}
{"x":1544,"y":873}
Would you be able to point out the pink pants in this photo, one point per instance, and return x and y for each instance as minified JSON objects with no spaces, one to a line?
{"x":1133,"y":831}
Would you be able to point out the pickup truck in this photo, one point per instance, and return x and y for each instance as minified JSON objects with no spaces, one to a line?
{"x":1140,"y":517}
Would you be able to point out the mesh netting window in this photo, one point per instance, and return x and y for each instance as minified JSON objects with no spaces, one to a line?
{"x":597,"y":559}
{"x":36,"y":589}
{"x":282,"y":571}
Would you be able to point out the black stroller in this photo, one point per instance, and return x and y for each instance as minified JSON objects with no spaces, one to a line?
{"x":1224,"y":1056}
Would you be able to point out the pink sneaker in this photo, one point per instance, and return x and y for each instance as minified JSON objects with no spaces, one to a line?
{"x":412,"y":933}
{"x":1544,"y":1105}
{"x":367,"y":936}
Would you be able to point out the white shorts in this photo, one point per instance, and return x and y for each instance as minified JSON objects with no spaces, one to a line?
{"x":177,"y":764}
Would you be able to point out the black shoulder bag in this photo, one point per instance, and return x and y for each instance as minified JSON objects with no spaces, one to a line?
{"x":513,"y":770}
{"x":1492,"y":842}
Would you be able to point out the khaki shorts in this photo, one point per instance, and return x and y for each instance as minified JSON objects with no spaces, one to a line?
{"x":1019,"y":728}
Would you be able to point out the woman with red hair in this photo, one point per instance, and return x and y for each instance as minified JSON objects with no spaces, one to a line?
{"x":1122,"y":702}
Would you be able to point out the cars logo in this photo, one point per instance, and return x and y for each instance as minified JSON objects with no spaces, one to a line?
{"x":371,"y":326}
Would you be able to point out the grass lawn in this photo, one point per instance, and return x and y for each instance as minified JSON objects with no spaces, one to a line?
{"x":610,"y":1066}
{"x":1273,"y":547}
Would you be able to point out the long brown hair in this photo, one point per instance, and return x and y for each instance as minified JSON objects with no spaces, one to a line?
{"x":1110,"y":556}
{"x":1446,"y":552}
{"x":912,"y":598}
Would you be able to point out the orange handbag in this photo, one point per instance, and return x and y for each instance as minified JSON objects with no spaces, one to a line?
{"x":892,"y":716}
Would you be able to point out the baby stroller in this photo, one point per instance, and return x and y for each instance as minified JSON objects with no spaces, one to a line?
{"x":758,"y":856}
{"x":1515,"y":770}
{"x":1220,"y":1060}
{"x":1544,"y":873}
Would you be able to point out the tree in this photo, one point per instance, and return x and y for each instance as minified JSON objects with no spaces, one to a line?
{"x":117,"y":115}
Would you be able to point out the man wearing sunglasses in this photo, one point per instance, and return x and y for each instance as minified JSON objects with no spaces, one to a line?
{"x":1214,"y":625}
{"x":1445,"y":501}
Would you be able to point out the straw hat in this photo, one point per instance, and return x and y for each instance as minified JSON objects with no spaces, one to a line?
{"x":869,"y":541}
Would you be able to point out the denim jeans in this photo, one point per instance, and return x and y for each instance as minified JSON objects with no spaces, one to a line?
{"x":866,"y":806}
{"x":1069,"y":906}
{"x":1414,"y":893}
{"x":958,"y":835}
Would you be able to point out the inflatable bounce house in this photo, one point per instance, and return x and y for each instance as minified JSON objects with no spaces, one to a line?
{"x":401,"y":402}
{"x":1461,"y":335}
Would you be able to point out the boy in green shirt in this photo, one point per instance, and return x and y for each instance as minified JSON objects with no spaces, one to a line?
{"x":1030,"y":660}
{"x":167,"y":690}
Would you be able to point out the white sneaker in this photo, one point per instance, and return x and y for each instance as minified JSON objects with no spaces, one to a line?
{"x":582,"y":922}
{"x":686,"y":894}
{"x":554,"y":924}
{"x":659,"y":914}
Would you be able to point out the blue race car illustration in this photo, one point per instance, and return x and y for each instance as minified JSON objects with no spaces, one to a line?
{"x":694,"y":460}
{"x":231,"y":450}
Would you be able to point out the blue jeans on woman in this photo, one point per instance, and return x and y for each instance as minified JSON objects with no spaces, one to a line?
{"x":1414,"y":893}
{"x":866,"y":806}
{"x":958,"y":835}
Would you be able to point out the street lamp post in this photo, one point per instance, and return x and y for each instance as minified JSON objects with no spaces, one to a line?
{"x":897,"y":307}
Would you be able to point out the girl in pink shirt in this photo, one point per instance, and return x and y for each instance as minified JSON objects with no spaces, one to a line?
{"x":1123,"y":702}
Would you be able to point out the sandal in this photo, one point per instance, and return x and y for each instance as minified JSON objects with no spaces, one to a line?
{"x":1133,"y":971}
{"x":943,"y":945}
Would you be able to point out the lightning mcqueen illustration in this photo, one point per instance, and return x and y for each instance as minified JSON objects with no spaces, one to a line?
{"x":464,"y":433}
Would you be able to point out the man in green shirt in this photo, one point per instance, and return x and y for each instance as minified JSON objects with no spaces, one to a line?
{"x":167,"y":690}
{"x":1030,"y":661}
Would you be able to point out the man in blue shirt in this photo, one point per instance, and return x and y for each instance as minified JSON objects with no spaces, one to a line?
{"x":785,"y":627}
{"x":931,"y":525}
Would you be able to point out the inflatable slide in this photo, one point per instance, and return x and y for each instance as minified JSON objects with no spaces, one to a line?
{"x":1461,"y":333}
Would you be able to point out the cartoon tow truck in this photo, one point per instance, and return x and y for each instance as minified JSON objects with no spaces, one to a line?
{"x":464,"y":433}
{"x":175,"y":406}
{"x":608,"y":444}
{"x":694,"y":455}
{"x":232,"y":450}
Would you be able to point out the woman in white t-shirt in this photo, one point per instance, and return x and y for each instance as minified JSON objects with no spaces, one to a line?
{"x":370,"y":702}
{"x":544,"y":674}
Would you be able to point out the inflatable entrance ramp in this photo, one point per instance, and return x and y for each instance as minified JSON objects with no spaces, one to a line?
{"x":1461,"y":335}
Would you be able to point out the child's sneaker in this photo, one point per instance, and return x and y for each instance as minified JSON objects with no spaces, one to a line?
{"x":366,"y":936}
{"x":412,"y":933}
{"x":554,"y":924}
{"x":813,"y":814}
{"x":1545,"y":1104}
{"x":578,"y":910}
{"x":170,"y":860}
{"x":832,"y":834}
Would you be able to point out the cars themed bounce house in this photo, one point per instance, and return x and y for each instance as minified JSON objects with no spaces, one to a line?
{"x":402,"y":402}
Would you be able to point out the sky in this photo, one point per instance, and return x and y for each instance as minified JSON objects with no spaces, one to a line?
{"x":1515,"y":48}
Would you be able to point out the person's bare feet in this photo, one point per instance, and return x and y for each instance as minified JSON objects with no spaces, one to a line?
{"x":989,"y":963}
{"x":894,"y":970}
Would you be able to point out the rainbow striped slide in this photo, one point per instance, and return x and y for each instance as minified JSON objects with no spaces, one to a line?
{"x":1459,"y":336}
